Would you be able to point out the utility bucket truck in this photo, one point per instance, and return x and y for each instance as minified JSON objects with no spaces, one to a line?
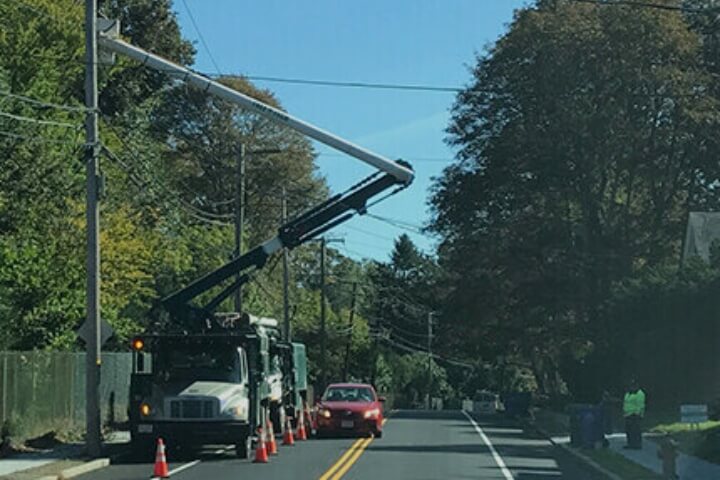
{"x":202,"y":377}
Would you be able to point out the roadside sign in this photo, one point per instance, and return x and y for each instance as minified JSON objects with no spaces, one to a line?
{"x":106,"y":331}
{"x":693,"y":413}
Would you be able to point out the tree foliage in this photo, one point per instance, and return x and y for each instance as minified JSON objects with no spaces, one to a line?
{"x":585,"y":137}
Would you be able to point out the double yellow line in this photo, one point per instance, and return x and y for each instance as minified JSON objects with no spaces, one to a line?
{"x":348,"y":458}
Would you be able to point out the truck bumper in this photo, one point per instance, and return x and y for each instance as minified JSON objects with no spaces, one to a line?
{"x":194,"y":433}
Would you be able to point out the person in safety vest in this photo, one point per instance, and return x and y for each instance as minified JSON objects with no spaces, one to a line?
{"x":634,"y":411}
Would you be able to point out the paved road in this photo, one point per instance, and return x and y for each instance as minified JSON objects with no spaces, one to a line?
{"x":416,"y":445}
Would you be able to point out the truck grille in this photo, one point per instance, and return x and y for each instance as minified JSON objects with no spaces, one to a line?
{"x":192,"y":408}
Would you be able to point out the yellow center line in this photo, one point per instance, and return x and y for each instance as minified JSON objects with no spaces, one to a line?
{"x":358,"y":451}
{"x":340,"y":460}
{"x":343,"y":464}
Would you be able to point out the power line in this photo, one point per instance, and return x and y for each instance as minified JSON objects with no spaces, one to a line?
{"x":36,"y":138}
{"x":41,"y":103}
{"x":393,"y":327}
{"x":401,"y":222}
{"x":169,"y":195}
{"x":369,"y":85}
{"x":202,"y":38}
{"x":21,"y":118}
{"x":366,"y":232}
{"x":639,"y":4}
{"x":434,"y":355}
{"x":398,"y":224}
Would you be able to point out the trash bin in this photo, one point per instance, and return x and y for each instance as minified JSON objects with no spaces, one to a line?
{"x":517,"y":404}
{"x":586,"y":425}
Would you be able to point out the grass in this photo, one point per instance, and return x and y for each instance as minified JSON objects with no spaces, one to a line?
{"x":620,"y":466}
{"x":676,"y":428}
{"x":700,"y":440}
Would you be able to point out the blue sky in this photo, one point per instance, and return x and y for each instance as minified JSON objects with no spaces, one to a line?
{"x":418,"y":42}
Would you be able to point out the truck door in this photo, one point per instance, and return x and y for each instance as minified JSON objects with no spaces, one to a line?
{"x":244,"y":382}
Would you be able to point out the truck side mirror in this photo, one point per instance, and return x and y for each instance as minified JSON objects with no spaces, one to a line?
{"x":140,"y":362}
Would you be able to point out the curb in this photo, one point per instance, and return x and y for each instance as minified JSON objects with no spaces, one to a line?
{"x":82,"y":469}
{"x":590,"y":462}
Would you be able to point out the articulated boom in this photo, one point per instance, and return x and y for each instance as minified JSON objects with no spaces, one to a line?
{"x":307,"y":226}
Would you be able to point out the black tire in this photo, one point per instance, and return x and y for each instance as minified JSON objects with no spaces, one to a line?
{"x":142,"y":450}
{"x":243,"y":449}
{"x":378,"y":434}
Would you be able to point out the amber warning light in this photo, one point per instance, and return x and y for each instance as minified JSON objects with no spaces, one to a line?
{"x":138,"y":344}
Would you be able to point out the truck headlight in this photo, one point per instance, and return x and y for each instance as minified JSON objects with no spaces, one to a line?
{"x":145,"y":409}
{"x":235,"y":411}
{"x":324,"y":412}
{"x":372,"y":413}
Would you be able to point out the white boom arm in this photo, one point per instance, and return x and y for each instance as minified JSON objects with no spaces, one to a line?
{"x":400,"y":172}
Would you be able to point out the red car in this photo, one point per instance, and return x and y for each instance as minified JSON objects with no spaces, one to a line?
{"x":350,"y":408}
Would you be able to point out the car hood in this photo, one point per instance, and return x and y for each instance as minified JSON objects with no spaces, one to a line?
{"x":352,"y":406}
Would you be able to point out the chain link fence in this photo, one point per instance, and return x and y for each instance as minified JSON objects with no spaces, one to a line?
{"x":45,"y":391}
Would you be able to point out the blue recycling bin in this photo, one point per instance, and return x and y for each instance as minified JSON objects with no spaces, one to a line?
{"x":517,"y":404}
{"x":586,"y":425}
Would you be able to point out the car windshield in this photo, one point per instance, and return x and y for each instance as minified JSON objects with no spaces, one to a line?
{"x":349,"y":394}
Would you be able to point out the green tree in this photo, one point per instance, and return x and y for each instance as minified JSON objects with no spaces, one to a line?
{"x":583,"y":141}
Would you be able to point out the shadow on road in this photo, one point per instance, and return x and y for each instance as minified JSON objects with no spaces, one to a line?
{"x":428,"y":415}
{"x":472,"y":448}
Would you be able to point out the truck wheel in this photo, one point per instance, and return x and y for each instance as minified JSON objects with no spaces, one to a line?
{"x":243,"y":449}
{"x":142,"y":450}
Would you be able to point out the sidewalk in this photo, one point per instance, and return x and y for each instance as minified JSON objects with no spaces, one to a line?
{"x":688,"y":467}
{"x":22,"y":461}
{"x":19,"y":462}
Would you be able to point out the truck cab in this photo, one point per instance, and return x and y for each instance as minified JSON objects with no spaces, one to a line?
{"x":197,"y":389}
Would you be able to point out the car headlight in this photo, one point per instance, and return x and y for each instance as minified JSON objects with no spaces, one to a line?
{"x":324,"y":412}
{"x":145,"y":409}
{"x":372,"y":413}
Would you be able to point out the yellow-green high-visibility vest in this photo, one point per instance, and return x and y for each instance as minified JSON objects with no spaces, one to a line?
{"x":634,"y":403}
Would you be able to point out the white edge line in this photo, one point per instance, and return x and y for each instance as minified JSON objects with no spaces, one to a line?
{"x":180,"y":468}
{"x":496,"y":456}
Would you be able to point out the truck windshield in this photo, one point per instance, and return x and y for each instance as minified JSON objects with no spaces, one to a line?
{"x":193,"y":363}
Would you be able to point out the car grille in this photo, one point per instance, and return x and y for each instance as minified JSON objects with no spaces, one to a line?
{"x":192,"y":408}
{"x":347,"y":415}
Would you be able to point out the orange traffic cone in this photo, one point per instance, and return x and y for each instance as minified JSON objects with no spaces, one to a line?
{"x":161,"y":465}
{"x":301,"y":433}
{"x":271,"y":443}
{"x":288,"y":437}
{"x":261,"y":455}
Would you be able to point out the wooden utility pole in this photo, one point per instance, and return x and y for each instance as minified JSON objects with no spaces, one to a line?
{"x":286,"y":276}
{"x":323,"y":333}
{"x":239,"y":218}
{"x":93,"y":344}
{"x":429,"y":365}
{"x":350,"y":334}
